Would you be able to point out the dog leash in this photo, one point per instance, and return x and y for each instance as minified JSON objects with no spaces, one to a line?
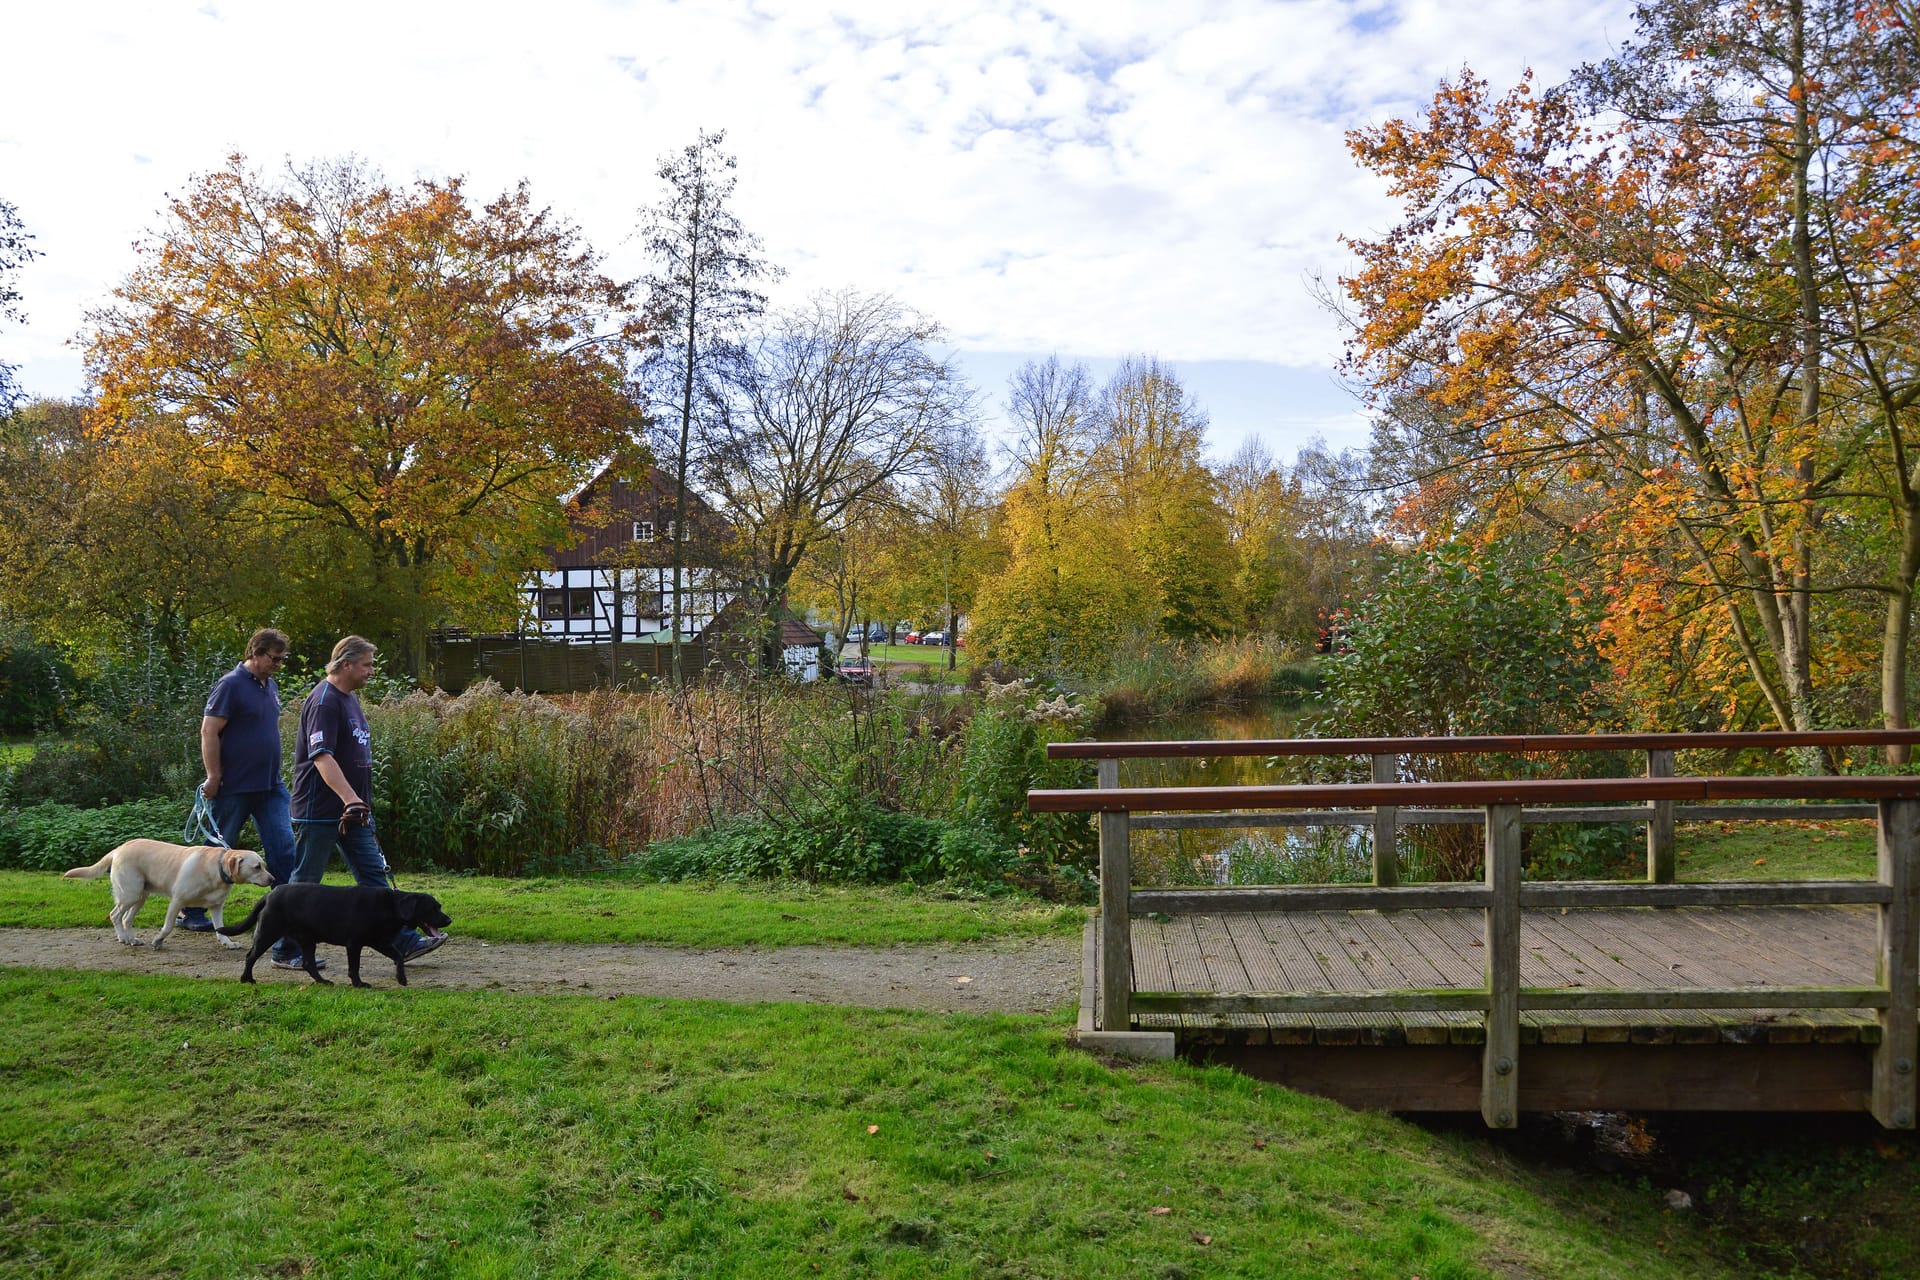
{"x":200,"y":823}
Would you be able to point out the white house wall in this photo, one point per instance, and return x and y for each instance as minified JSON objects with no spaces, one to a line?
{"x":578,"y":603}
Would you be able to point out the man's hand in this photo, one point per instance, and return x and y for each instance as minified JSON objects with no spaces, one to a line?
{"x":358,"y":814}
{"x":211,"y":787}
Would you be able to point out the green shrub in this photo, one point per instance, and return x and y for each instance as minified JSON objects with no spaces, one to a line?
{"x":136,"y":733}
{"x":54,"y":837}
{"x":35,"y":684}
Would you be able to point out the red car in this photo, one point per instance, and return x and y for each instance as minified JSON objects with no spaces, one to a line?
{"x":912,"y":637}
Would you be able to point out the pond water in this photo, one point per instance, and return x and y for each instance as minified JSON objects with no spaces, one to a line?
{"x":1251,"y":856}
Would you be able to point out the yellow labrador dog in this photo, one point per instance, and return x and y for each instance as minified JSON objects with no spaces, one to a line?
{"x":190,"y":876}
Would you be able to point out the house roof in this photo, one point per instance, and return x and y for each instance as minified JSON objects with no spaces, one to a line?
{"x":795,"y":633}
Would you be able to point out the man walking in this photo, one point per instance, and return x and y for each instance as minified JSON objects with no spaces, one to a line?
{"x":240,"y":747}
{"x":333,"y":785}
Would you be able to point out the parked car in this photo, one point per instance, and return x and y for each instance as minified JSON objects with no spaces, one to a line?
{"x":912,"y":637}
{"x":934,"y":637}
{"x":877,"y":633}
{"x":855,"y":671}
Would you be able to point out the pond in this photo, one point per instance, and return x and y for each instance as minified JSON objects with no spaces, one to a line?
{"x":1252,"y":856}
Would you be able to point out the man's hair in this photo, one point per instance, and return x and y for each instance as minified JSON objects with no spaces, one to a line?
{"x":266,"y":640}
{"x":350,"y":649}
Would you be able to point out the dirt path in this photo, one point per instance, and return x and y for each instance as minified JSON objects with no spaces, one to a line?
{"x":1029,"y":976}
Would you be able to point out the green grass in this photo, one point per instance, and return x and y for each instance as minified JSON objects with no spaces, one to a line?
{"x":1792,"y":849}
{"x":158,"y":1126}
{"x":606,"y":908}
{"x":15,"y":751}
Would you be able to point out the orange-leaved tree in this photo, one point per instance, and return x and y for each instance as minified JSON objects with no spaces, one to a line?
{"x":405,"y":384}
{"x":1663,"y":313}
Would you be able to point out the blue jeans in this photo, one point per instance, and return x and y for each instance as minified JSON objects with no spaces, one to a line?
{"x":268,"y":810}
{"x":314,"y":843}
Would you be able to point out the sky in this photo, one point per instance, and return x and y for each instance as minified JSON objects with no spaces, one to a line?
{"x":1092,"y":178}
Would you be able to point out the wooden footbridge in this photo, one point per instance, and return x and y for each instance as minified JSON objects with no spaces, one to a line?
{"x":1508,"y":994}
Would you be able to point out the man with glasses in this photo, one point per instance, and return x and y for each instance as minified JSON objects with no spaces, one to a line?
{"x":240,"y":747}
{"x":333,"y":786}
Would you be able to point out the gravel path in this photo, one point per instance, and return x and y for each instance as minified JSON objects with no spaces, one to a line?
{"x":1027,"y":976}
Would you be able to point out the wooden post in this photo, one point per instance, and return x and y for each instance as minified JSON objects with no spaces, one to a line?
{"x":1899,"y":937}
{"x":1660,"y":825}
{"x":1500,"y":1063}
{"x":1116,"y":933}
{"x":1386,"y":818}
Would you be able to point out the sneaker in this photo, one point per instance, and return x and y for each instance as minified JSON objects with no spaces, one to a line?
{"x":194,"y":920}
{"x":296,"y":962}
{"x":425,"y":945}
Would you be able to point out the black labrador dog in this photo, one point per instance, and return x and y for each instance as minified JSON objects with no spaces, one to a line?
{"x":350,"y":916}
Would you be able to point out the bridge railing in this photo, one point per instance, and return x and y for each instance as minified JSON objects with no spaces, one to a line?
{"x":1502,"y":807}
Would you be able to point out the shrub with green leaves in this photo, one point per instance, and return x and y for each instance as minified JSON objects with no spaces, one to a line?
{"x":53,"y":837}
{"x":1465,"y":639}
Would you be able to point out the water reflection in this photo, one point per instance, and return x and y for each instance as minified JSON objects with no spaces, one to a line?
{"x":1272,"y":855}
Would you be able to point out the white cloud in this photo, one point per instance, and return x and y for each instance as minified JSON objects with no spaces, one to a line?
{"x":1080,"y":175}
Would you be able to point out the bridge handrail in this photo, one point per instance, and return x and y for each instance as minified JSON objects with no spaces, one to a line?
{"x":1441,"y":795}
{"x":1486,"y":743}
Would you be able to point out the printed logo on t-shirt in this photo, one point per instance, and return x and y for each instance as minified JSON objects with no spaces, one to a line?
{"x":362,"y":736}
{"x":318,"y":738}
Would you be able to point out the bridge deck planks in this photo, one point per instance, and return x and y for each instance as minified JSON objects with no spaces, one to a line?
{"x":1634,"y":948}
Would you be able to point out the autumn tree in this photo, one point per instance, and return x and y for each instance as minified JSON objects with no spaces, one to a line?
{"x":700,"y":297}
{"x":408,"y":384}
{"x":1063,"y":593}
{"x":951,"y":501}
{"x":15,"y":252}
{"x":1669,"y":312}
{"x":840,"y":398}
{"x":1149,"y":439}
{"x":99,"y":543}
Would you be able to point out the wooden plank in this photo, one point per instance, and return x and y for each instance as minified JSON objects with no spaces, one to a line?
{"x":1678,"y":939}
{"x":1618,"y":963}
{"x":1221,"y":1004}
{"x":1532,"y":792}
{"x":1500,"y":1059}
{"x":1549,"y":949}
{"x":1811,"y":1078}
{"x":1265,"y":973}
{"x":1228,"y":971}
{"x":1189,"y":970}
{"x":1150,"y":967}
{"x":1412,"y":969}
{"x":1897,"y":964}
{"x":1547,"y":894}
{"x":1295,"y":955}
{"x":1450,"y":951}
{"x":1304,"y":898}
{"x":1325,"y":933}
{"x":1549,"y":815}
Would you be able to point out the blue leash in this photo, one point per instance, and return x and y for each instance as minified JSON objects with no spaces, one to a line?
{"x":200,"y":823}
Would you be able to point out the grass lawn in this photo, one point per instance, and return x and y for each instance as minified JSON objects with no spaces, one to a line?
{"x":1791,"y":849}
{"x":156,"y":1126}
{"x":608,"y":908}
{"x":15,"y":751}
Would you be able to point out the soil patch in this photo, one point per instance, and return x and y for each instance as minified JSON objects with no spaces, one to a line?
{"x":1039,"y":975}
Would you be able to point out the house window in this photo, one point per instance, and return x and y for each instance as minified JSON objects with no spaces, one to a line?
{"x":580,"y":602}
{"x":553,"y":604}
{"x":643,"y":531}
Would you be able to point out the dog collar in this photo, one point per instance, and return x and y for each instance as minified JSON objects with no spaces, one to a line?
{"x":221,"y":862}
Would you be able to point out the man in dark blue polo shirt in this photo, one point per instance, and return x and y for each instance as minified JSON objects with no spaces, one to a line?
{"x":240,"y":747}
{"x":333,"y":783}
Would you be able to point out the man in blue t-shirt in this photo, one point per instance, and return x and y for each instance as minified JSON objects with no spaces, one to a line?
{"x":333,"y":784}
{"x":240,"y":747}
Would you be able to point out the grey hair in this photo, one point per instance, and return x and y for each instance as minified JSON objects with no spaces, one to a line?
{"x":350,"y":649}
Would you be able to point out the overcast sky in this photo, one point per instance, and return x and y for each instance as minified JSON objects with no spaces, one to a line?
{"x":1092,"y":178}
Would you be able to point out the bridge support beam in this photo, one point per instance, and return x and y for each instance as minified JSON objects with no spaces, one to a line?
{"x":1500,"y":1059}
{"x":1894,"y":1065}
{"x":1116,"y":929}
